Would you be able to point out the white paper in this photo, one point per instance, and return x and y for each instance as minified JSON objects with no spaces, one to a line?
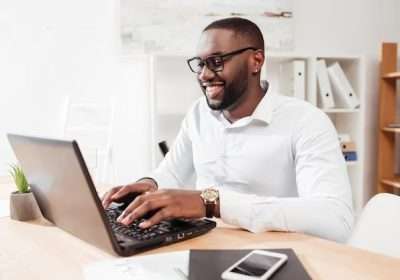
{"x":166,"y":266}
{"x":4,"y":208}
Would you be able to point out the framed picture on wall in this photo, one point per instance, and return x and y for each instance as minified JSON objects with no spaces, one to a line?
{"x":174,"y":26}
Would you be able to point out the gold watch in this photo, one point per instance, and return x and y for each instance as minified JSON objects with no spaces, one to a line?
{"x":210,"y":198}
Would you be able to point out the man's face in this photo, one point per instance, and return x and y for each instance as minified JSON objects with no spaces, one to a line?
{"x":226,"y":89}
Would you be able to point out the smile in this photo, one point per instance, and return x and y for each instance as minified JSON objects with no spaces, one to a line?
{"x":213,"y":89}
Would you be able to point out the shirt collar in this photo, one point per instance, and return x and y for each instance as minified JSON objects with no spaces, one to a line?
{"x":264,"y":109}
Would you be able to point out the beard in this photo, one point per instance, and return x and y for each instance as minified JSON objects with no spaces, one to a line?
{"x":233,"y":92}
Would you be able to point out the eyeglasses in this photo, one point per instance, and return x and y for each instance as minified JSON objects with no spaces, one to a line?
{"x":213,"y":62}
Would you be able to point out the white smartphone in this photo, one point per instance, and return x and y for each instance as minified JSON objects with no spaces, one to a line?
{"x":258,"y":264}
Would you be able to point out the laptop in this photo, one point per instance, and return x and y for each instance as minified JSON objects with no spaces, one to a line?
{"x":67,"y":197}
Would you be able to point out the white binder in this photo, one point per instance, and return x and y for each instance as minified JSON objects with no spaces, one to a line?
{"x":325,"y":91}
{"x":293,"y":82}
{"x":345,"y":96}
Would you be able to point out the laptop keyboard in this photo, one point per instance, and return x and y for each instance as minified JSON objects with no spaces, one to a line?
{"x":134,"y":231}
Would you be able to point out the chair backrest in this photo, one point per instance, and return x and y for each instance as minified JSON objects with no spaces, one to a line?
{"x":378,"y":228}
{"x":90,"y":122}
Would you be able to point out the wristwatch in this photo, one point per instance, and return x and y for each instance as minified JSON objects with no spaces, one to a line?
{"x":210,"y":198}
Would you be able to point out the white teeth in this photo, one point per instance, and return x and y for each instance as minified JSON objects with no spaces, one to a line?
{"x":213,"y":90}
{"x":213,"y":84}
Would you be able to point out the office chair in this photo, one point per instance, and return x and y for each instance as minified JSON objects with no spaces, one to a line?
{"x":378,"y":228}
{"x":163,"y":147}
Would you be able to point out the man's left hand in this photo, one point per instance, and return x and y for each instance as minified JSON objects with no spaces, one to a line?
{"x":166,"y":205}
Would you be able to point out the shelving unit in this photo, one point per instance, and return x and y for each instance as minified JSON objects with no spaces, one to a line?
{"x":340,"y":110}
{"x":175,"y":88}
{"x":390,"y":129}
{"x":393,"y":75}
{"x":388,"y":177}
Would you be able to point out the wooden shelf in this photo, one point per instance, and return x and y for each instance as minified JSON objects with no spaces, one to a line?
{"x":387,"y":156}
{"x":395,"y":183}
{"x":392,"y":75}
{"x":391,"y":129}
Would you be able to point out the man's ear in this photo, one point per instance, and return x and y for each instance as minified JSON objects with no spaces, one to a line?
{"x":257,"y":61}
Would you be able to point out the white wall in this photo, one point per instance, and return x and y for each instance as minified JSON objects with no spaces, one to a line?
{"x":50,"y":49}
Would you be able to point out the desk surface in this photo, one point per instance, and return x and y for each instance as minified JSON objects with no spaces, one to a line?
{"x":39,"y":250}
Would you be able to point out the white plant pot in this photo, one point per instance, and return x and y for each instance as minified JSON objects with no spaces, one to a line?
{"x":23,"y":207}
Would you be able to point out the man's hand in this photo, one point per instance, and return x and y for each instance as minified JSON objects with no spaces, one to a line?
{"x":166,"y":205}
{"x":116,"y":193}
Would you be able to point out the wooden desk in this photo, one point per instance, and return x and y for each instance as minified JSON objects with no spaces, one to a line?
{"x":38,"y":250}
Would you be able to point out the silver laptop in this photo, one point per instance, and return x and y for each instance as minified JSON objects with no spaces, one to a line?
{"x":67,"y":197}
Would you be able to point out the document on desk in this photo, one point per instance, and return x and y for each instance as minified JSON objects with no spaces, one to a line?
{"x":4,"y":208}
{"x":165,"y":266}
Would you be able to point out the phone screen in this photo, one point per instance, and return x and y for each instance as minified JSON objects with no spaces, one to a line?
{"x":255,"y":265}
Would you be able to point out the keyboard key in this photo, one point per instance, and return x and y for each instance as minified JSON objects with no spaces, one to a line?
{"x":134,"y":231}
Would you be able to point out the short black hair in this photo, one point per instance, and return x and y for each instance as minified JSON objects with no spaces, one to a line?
{"x":242,"y":27}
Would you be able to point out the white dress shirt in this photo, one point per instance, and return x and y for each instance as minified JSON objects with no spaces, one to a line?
{"x":280,"y":169}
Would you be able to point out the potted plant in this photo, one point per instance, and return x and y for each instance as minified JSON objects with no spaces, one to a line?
{"x":23,"y":205}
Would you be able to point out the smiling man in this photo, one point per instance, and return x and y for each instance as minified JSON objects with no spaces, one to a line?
{"x":262,"y":161}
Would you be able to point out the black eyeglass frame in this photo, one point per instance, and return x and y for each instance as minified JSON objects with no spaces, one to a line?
{"x":222,"y":57}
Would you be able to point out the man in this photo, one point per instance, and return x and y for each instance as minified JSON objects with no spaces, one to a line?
{"x":262,"y":161}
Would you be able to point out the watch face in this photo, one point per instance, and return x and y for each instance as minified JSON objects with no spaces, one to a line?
{"x":210,"y":195}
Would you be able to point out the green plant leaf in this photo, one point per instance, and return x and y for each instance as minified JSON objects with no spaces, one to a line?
{"x":19,"y":178}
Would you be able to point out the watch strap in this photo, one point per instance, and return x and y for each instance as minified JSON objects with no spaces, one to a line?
{"x":210,"y":206}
